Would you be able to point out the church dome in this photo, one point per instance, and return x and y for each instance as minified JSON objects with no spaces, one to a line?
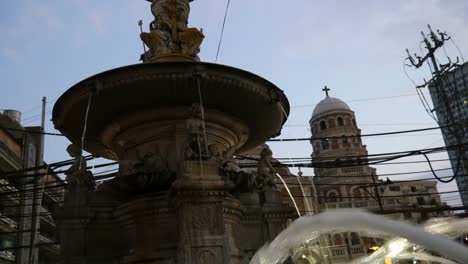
{"x":329,"y":104}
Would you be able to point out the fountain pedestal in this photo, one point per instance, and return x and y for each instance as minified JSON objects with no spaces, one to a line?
{"x":206,"y":213}
{"x":275,"y":212}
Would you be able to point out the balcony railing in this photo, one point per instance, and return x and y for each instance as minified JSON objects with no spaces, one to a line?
{"x":7,"y":255}
{"x":10,"y":223}
{"x":347,"y":252}
{"x":359,"y":204}
{"x":338,"y":251}
{"x":12,"y":154}
{"x":357,"y":250}
{"x":348,"y":170}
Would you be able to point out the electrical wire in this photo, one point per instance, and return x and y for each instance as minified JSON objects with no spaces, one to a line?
{"x":358,"y":136}
{"x":222,"y":30}
{"x":358,"y":100}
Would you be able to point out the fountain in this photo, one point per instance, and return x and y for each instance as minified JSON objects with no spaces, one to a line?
{"x":306,"y":229}
{"x":173,"y":123}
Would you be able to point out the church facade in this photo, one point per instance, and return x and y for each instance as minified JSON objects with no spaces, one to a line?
{"x":343,"y":179}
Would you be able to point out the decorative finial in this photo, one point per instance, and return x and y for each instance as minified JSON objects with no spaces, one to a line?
{"x":326,"y":89}
{"x":140,"y":23}
{"x":170,"y":38}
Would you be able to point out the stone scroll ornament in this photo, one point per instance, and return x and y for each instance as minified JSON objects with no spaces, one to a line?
{"x":169,"y":32}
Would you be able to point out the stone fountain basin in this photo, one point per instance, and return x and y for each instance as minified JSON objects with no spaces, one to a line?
{"x":127,"y":100}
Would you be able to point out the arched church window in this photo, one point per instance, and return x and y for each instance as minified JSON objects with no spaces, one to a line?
{"x":323,"y":125}
{"x":340,"y":121}
{"x":332,"y":197}
{"x":357,"y":194}
{"x":355,"y":239}
{"x":345,"y":139}
{"x":316,"y":128}
{"x":325,"y":144}
{"x":337,"y":240}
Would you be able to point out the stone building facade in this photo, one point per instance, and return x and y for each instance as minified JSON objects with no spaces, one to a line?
{"x":449,"y":96}
{"x":18,"y":151}
{"x":344,"y":180}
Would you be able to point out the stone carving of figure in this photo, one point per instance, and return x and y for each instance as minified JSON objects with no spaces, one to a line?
{"x":196,"y":146}
{"x":216,"y":153}
{"x":266,"y":174}
{"x":169,"y":31}
{"x":151,"y":169}
{"x":77,"y":176}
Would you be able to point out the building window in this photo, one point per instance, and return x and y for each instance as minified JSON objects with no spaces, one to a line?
{"x":356,"y":194}
{"x":323,"y":125}
{"x":413,"y":189}
{"x":355,"y":239}
{"x":332,"y":197}
{"x":394,"y":188}
{"x":337,"y":240}
{"x":325,"y":144}
{"x":345,"y":139}
{"x":340,"y":121}
{"x":354,"y":123}
{"x":421,"y":200}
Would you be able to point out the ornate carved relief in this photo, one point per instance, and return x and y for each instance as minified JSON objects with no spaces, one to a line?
{"x":202,"y":217}
{"x":266,"y":174}
{"x":169,"y":33}
{"x":207,"y":256}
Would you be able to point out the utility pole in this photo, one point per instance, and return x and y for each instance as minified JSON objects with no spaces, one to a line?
{"x":418,"y":61}
{"x":39,"y":182}
{"x":376,"y":193}
{"x":447,"y":102}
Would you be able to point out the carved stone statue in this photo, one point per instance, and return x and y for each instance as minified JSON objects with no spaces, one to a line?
{"x":77,"y":176}
{"x":196,"y":146}
{"x":169,"y":33}
{"x":266,"y":174}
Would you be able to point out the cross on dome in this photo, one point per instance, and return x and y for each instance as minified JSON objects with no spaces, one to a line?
{"x":326,"y":89}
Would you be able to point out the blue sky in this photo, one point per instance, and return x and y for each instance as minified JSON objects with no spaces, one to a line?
{"x":355,"y":47}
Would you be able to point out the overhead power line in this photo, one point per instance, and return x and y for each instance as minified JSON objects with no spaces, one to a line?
{"x":363,"y":135}
{"x":222,"y":30}
{"x":360,"y":100}
{"x":30,"y":131}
